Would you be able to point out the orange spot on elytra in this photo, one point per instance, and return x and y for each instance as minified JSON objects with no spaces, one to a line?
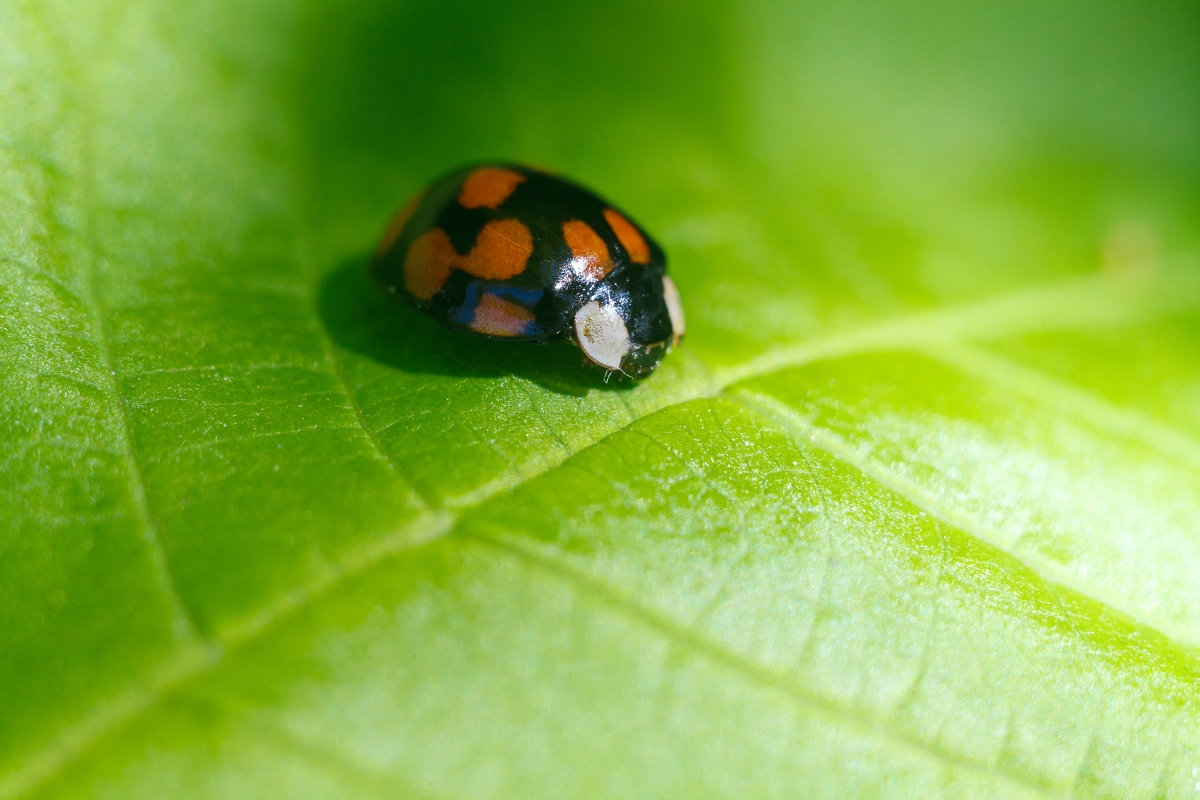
{"x":430,"y":258}
{"x":396,"y":226}
{"x":590,"y":251}
{"x":629,"y":236}
{"x":488,"y":187}
{"x":501,"y":250}
{"x":496,"y":316}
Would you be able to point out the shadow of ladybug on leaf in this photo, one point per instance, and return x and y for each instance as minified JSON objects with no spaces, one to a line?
{"x":360,"y":318}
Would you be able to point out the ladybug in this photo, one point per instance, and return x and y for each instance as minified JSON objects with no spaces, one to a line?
{"x":514,"y":253}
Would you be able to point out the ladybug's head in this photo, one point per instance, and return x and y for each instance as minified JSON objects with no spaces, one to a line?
{"x":631,"y":321}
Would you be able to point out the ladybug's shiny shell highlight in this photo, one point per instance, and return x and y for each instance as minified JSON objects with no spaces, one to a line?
{"x":509,"y":252}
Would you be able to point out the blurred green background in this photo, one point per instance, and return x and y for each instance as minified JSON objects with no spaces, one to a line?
{"x":913,"y":512}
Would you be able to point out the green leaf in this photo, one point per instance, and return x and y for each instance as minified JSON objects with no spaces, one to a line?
{"x":914,"y":511}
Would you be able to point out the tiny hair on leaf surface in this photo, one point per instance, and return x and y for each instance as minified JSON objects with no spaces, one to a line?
{"x":913,"y":511}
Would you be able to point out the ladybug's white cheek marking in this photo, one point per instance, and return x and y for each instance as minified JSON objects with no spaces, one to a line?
{"x":602,"y":334}
{"x":674,"y":308}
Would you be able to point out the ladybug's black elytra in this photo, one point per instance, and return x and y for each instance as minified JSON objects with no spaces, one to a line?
{"x":509,"y":252}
